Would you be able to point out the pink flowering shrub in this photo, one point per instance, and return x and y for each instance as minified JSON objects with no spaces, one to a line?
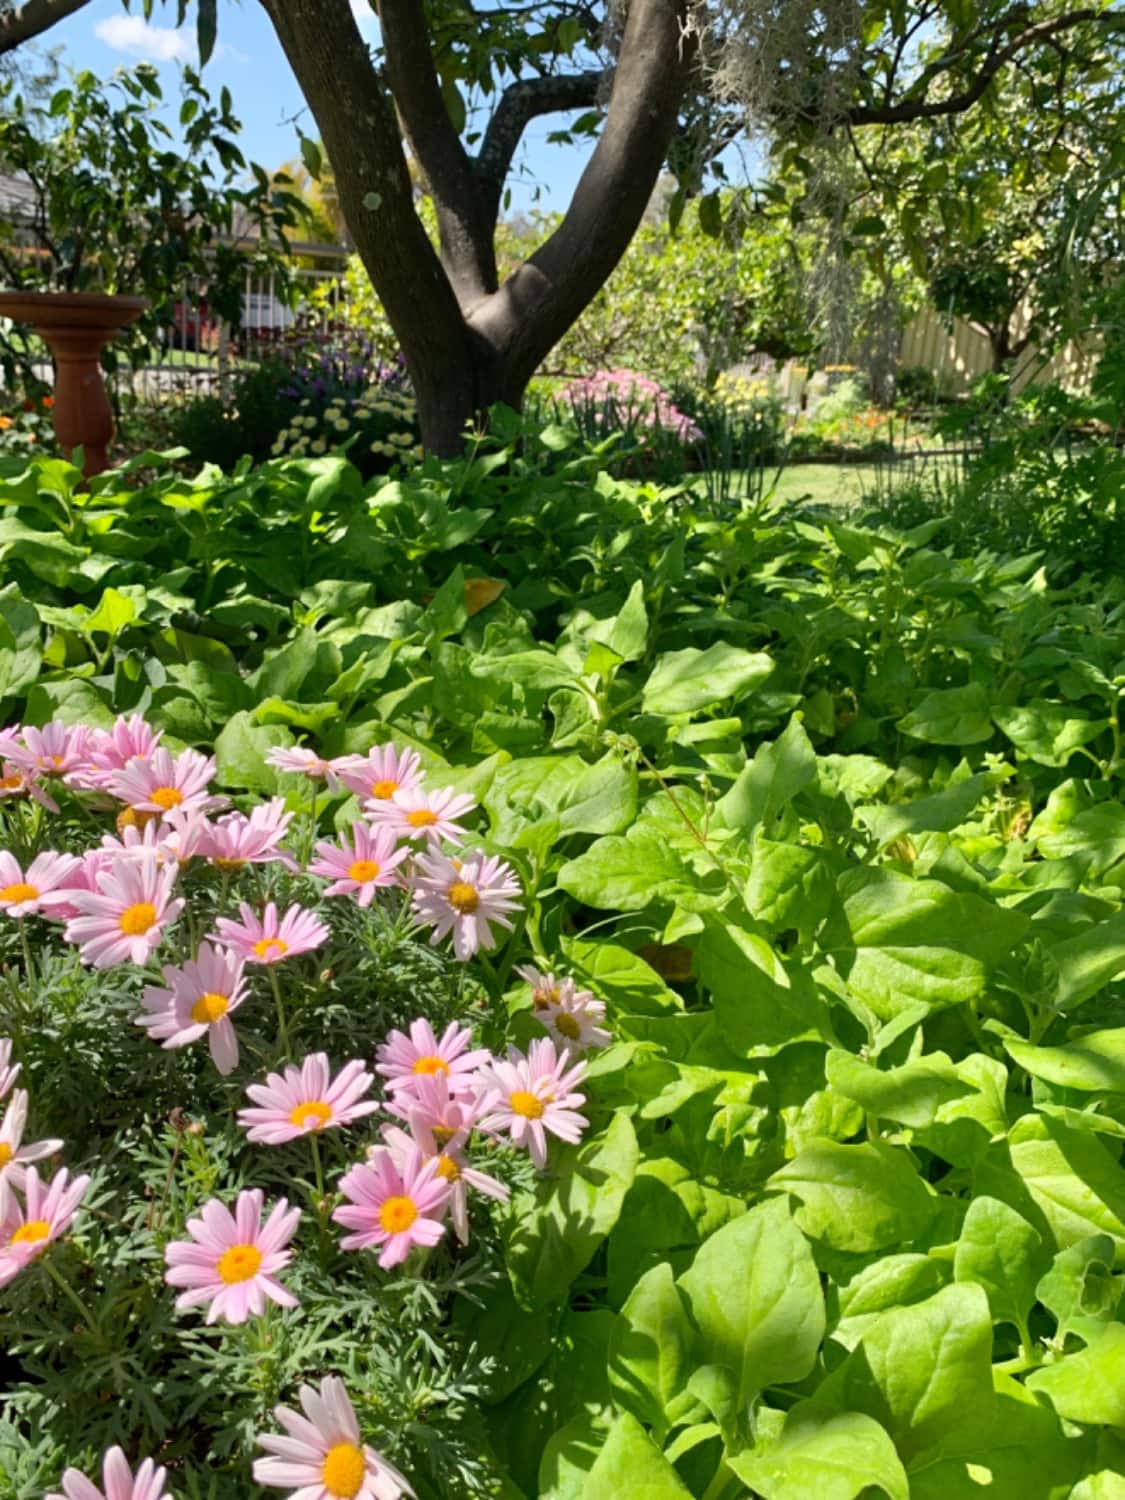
{"x":622,"y":400}
{"x":283,"y":1098}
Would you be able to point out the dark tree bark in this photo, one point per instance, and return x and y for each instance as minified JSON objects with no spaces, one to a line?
{"x":469,"y":342}
{"x":23,"y":23}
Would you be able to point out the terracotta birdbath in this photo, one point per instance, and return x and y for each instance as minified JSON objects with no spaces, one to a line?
{"x":76,"y":327}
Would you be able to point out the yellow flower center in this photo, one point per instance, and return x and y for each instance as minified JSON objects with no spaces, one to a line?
{"x":138,"y":918}
{"x":546,"y":997}
{"x":397,"y":1215}
{"x":228,"y":864}
{"x":523,"y":1103}
{"x":421,"y":817}
{"x":239,"y":1263}
{"x":344,"y":1471}
{"x":463,"y":897}
{"x":166,"y":797}
{"x":56,"y":760}
{"x":442,"y":1134}
{"x":384,"y":790}
{"x":11,"y":783}
{"x":448,"y":1169}
{"x":21,"y":891}
{"x":430,"y":1065}
{"x":32,"y":1233}
{"x":6,"y":1153}
{"x":363,"y":870}
{"x":265,"y":946}
{"x":209,"y":1007}
{"x":568,"y":1026}
{"x":314,"y":1113}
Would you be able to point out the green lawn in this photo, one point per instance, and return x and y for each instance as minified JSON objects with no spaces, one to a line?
{"x":849,"y":484}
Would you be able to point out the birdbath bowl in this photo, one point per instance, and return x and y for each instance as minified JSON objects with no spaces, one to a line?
{"x":76,"y":327}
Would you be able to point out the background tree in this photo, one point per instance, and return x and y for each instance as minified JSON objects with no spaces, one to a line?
{"x":641,"y":71}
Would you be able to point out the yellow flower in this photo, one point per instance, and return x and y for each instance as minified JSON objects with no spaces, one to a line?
{"x":341,"y":424}
{"x":320,"y":446}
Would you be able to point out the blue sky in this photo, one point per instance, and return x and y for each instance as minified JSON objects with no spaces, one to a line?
{"x":249,"y":60}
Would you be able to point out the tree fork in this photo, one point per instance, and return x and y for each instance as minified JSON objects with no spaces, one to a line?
{"x":465,"y":344}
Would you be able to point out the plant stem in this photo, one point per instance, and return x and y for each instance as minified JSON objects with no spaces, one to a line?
{"x":283,"y":1030}
{"x":64,"y":1286}
{"x":26,"y":946}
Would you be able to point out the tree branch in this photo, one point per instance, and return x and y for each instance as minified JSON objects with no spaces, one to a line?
{"x":543,"y":297}
{"x":521,"y":103}
{"x":997,"y":57}
{"x":32,"y":19}
{"x":466,"y":229}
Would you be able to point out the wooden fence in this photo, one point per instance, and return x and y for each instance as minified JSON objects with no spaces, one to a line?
{"x":957,"y":355}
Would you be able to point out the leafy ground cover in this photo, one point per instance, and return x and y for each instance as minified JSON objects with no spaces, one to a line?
{"x":825,"y":816}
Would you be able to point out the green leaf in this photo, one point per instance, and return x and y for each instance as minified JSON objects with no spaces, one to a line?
{"x":891,"y":1281}
{"x":683,"y":681}
{"x":537,"y":669}
{"x":936,"y":814}
{"x":1088,"y":1386}
{"x":554,"y":1233}
{"x":917,"y":941}
{"x":1049,"y":733}
{"x":1087,"y":962}
{"x":629,"y":634}
{"x":1093,"y":1063}
{"x":206,"y":28}
{"x":790,"y":885}
{"x":1076,"y":1183}
{"x":240,"y":752}
{"x":649,"y":1352}
{"x":772,"y":779}
{"x":1001,"y":1252}
{"x":1080,"y":1283}
{"x":629,"y":873}
{"x":755,"y":1296}
{"x":922,"y":1372}
{"x":826,"y":1454}
{"x":20,"y":643}
{"x":951,"y":716}
{"x":631,"y":1464}
{"x":312,"y":155}
{"x":912,"y":1093}
{"x":860,"y":1197}
{"x":759,"y":1004}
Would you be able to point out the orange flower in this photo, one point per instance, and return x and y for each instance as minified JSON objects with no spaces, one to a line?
{"x":48,"y":401}
{"x":5,"y":423}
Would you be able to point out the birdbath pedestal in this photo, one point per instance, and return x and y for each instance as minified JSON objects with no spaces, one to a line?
{"x":76,"y":327}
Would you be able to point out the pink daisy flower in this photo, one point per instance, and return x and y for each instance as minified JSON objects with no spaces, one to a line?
{"x":152,"y":841}
{"x":112,"y":749}
{"x":268,"y":939}
{"x":84,"y":877}
{"x":361,"y":867}
{"x":15,"y":1157}
{"x":54,"y":750}
{"x":380,"y":773}
{"x":118,"y":1479}
{"x":440,"y":1126}
{"x":306,"y":1100}
{"x":232,"y":1260}
{"x":572,"y":1016}
{"x":396,"y":1206}
{"x":299,"y":760}
{"x":235,"y":840}
{"x":405,"y":1060}
{"x":417,"y":813}
{"x":163,"y":781}
{"x":9,"y":1071}
{"x":39,"y":890}
{"x":17,"y":782}
{"x":201,"y":998}
{"x":25,"y":1232}
{"x":465,"y":897}
{"x":525,"y":1097}
{"x":323,"y":1456}
{"x":124,"y":919}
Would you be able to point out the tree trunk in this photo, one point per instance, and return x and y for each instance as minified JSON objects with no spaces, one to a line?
{"x":467,"y":343}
